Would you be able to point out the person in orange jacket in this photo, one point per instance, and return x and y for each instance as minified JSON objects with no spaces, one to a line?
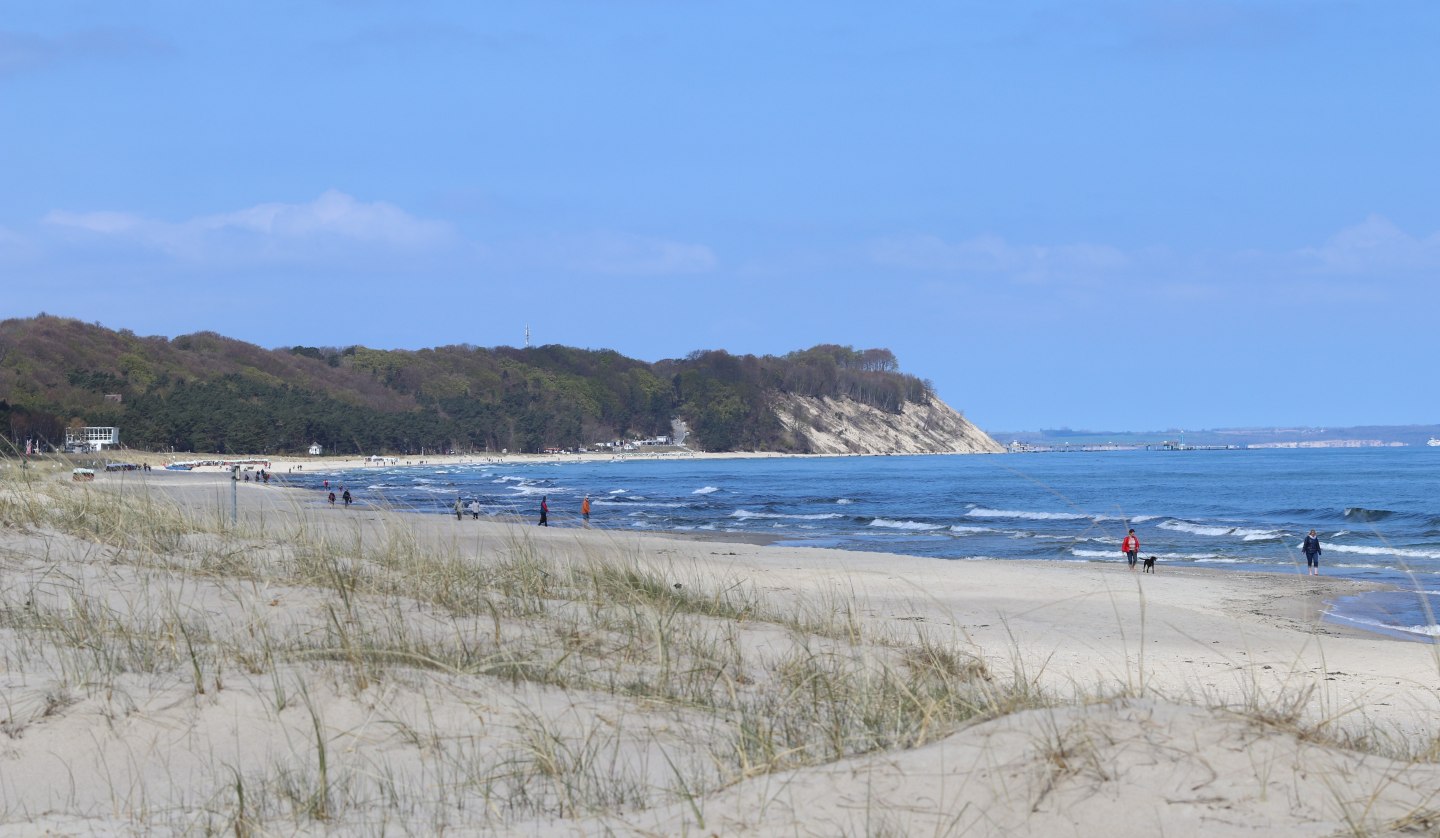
{"x":585,"y":510}
{"x":1131,"y":548}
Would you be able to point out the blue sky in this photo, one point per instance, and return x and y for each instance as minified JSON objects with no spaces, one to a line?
{"x":1110,"y":215}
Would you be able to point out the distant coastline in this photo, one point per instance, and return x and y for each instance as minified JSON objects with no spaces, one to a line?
{"x":1357,"y":436}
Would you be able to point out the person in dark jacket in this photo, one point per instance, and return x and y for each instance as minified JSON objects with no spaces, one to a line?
{"x":1312,"y":551}
{"x":544,"y":512}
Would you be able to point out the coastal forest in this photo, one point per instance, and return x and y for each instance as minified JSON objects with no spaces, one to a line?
{"x":206,"y":392}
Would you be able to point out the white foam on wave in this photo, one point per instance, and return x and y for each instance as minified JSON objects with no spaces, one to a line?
{"x":963,"y":530}
{"x":844,"y":501}
{"x":1402,"y":552}
{"x":905,"y":525}
{"x":1194,"y":529}
{"x":1421,"y":630}
{"x":745,"y":513}
{"x":617,"y":491}
{"x":705,"y":490}
{"x":1244,"y":533}
{"x":631,"y":504}
{"x":1173,"y":557}
{"x":982,"y":512}
{"x":1140,"y":519}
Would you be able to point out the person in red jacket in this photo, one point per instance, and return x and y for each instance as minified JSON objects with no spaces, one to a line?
{"x":1131,"y":547}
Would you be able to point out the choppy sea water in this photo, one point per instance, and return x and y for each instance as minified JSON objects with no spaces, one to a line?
{"x":1377,"y":511}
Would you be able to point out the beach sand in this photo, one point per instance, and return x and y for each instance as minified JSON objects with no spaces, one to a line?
{"x":319,"y":669}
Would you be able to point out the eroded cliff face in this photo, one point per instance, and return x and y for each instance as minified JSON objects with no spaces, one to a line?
{"x":842,"y":426}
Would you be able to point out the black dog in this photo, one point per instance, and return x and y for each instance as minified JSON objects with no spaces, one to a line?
{"x":1149,"y":564}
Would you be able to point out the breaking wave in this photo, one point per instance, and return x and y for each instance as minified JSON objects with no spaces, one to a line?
{"x":905,"y":525}
{"x":1360,"y":513}
{"x":745,"y":513}
{"x":982,"y":512}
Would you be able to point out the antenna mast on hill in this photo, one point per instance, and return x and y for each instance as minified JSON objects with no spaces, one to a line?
{"x":527,"y":334}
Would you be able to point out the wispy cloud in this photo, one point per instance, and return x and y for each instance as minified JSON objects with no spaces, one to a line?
{"x":23,"y":51}
{"x":1374,"y":245}
{"x":993,"y":255}
{"x":268,"y":231}
{"x":341,"y":229}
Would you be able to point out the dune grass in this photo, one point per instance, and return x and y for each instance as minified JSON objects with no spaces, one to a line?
{"x":403,"y":685}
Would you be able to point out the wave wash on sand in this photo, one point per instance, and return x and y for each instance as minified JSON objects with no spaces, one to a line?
{"x":314,"y":669}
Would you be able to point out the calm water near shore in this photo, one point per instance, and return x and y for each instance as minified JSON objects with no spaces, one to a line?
{"x":1377,"y":511}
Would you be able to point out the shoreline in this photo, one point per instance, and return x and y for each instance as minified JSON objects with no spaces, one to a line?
{"x":1307,"y":606}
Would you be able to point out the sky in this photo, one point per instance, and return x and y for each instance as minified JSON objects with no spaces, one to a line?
{"x":1099,"y":215}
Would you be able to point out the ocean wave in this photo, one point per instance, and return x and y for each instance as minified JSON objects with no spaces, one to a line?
{"x":982,"y":512}
{"x":1194,"y":529}
{"x":630,"y":504}
{"x":617,"y":491}
{"x":844,"y":501}
{"x":1172,"y":557}
{"x":1140,"y":519}
{"x":905,"y":525}
{"x":705,"y":490}
{"x":1245,"y":534}
{"x":745,"y":513}
{"x":1403,"y":552}
{"x":1360,"y":513}
{"x":963,"y":530}
{"x":1420,"y":630}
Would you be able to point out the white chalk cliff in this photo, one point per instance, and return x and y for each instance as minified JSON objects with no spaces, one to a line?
{"x":822,"y":425}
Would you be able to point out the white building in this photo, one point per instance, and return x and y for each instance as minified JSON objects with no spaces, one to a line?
{"x":316,"y":449}
{"x":91,"y":439}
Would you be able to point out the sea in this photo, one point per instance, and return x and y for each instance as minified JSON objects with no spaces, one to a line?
{"x":1376,"y":510}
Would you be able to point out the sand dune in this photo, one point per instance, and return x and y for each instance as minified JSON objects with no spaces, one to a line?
{"x":318,"y":669}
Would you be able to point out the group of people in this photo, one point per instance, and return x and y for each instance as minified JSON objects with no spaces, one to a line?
{"x":545,"y":510}
{"x":344,"y":494}
{"x":1131,"y":548}
{"x":473,"y":507}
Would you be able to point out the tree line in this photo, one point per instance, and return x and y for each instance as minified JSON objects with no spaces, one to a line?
{"x":205,"y":392}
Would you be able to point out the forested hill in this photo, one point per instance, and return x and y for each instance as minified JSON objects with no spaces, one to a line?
{"x":206,"y":392}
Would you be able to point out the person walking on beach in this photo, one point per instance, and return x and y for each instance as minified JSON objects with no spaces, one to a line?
{"x":475,"y":509}
{"x":332,"y":498}
{"x":1311,"y":547}
{"x":459,"y":508}
{"x":346,"y":497}
{"x":585,"y":510}
{"x":1131,"y":548}
{"x":544,"y":512}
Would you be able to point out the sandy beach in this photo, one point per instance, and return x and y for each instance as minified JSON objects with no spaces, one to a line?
{"x":317,"y":669}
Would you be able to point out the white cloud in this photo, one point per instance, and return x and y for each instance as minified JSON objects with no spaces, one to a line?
{"x":991,"y":254}
{"x":333,"y":213}
{"x":1374,"y":244}
{"x":269,"y":231}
